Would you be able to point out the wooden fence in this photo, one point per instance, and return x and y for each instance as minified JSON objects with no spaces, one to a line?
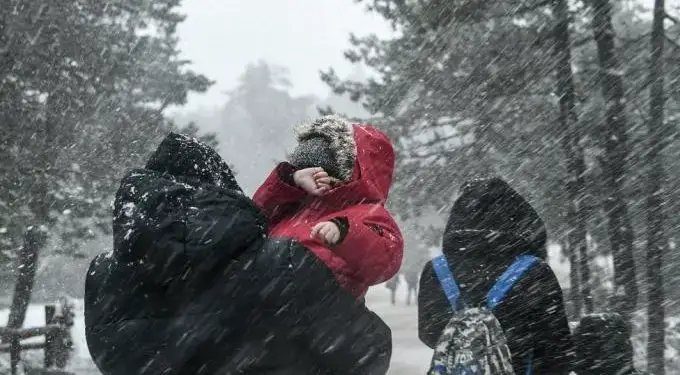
{"x":56,"y":337}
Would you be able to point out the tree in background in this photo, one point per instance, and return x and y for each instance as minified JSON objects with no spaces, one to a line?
{"x":83,"y":90}
{"x":577,"y":216}
{"x":452,"y":105}
{"x":458,"y":112}
{"x":255,"y":125}
{"x":467,"y":87}
{"x":615,"y":140}
{"x":632,"y":26}
{"x":657,"y":239}
{"x":263,"y":97}
{"x":342,"y":104}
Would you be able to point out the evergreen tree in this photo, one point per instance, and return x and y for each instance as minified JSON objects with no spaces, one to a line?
{"x":83,"y":90}
{"x":256,"y":126}
{"x":471,"y":87}
{"x":656,"y":196}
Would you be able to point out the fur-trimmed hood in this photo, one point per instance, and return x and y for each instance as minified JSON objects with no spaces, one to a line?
{"x":339,"y":134}
{"x":364,"y":156}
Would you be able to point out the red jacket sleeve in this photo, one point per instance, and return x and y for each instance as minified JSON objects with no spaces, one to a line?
{"x":275,"y":195}
{"x":373,"y":246}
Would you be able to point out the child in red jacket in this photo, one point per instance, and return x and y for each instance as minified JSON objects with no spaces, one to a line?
{"x":330,"y":197}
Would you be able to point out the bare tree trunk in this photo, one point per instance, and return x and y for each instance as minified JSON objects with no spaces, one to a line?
{"x":34,"y":239}
{"x":27,"y":265}
{"x":656,"y":218}
{"x":616,"y":152}
{"x":573,"y":152}
{"x":573,"y":302}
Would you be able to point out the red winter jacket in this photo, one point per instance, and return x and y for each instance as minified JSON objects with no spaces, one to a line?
{"x":372,"y":250}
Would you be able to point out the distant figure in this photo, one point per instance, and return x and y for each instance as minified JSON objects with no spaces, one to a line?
{"x":603,"y":346}
{"x":411,"y":277}
{"x":392,"y":285}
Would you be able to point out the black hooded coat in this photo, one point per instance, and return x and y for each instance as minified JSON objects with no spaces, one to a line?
{"x":489,"y":226}
{"x":193,"y":285}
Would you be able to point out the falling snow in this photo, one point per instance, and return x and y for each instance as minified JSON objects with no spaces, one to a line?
{"x":574,"y":104}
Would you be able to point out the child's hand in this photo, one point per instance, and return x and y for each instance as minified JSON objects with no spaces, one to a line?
{"x":314,"y":181}
{"x":326,"y":231}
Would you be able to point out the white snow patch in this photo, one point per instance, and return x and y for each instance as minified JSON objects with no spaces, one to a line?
{"x":560,"y":264}
{"x":409,"y":355}
{"x":80,"y":363}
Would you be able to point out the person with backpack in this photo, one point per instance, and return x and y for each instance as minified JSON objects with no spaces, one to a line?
{"x":603,"y":346}
{"x":195,"y":286}
{"x":490,"y":302}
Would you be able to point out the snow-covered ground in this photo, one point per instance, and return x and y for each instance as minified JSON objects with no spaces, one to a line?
{"x":408,"y":357}
{"x":80,"y":363}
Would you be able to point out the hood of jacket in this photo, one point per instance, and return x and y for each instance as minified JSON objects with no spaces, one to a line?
{"x":364,"y":154}
{"x":489,"y":226}
{"x":183,"y":212}
{"x":182,"y":156}
{"x":490,"y":220}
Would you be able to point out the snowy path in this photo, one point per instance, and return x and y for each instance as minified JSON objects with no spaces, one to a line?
{"x":409,"y":356}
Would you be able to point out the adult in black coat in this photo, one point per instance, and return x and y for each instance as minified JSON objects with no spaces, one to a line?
{"x":489,"y":226}
{"x":193,"y":286}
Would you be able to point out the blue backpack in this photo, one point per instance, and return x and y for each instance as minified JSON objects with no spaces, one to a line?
{"x":473,"y":342}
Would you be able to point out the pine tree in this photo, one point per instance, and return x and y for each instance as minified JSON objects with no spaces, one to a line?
{"x":656,"y":196}
{"x":86,"y":85}
{"x":615,"y":140}
{"x":575,"y":161}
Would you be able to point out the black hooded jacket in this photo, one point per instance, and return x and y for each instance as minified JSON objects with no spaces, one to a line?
{"x":193,"y":286}
{"x":489,"y":226}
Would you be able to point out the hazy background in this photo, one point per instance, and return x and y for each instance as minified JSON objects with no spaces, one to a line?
{"x":221,"y":37}
{"x":552,"y":96}
{"x":297,"y":39}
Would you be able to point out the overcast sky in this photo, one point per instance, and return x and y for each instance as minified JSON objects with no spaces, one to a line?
{"x":222,"y":36}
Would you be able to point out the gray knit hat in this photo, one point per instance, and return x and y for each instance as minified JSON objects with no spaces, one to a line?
{"x":327,"y":142}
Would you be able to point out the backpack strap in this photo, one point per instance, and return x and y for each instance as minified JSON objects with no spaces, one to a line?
{"x":509,"y":278}
{"x":503,"y":285}
{"x":446,"y":279}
